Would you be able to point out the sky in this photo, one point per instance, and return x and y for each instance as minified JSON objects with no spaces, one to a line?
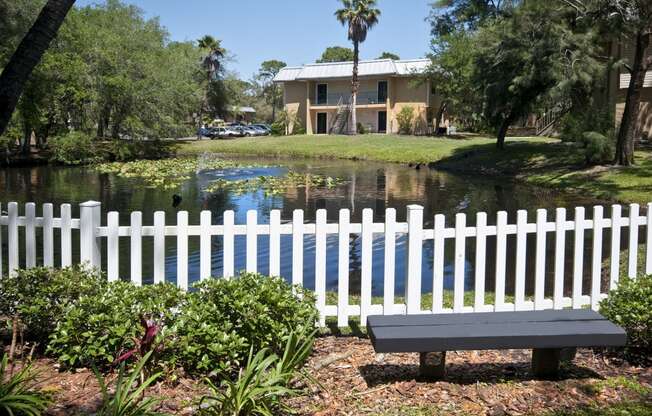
{"x":293,"y":31}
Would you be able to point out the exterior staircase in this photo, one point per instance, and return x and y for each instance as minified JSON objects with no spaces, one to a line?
{"x":546,"y":123}
{"x":340,"y":122}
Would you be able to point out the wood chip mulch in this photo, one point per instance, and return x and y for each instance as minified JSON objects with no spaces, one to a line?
{"x":353,"y":380}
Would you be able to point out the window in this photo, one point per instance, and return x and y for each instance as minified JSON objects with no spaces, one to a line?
{"x":322,"y":93}
{"x":382,"y":91}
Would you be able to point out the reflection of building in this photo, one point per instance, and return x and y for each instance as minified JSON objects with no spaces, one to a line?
{"x":319,"y":95}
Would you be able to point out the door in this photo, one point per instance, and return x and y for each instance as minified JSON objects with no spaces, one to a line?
{"x":321,"y":123}
{"x":382,"y":91}
{"x":322,"y":93}
{"x":382,"y":122}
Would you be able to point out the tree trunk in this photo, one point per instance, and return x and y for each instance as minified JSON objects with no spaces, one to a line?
{"x":27,"y":56}
{"x":502,"y":132}
{"x":440,"y":115}
{"x":354,"y":89}
{"x":273,"y":104}
{"x":625,"y":142}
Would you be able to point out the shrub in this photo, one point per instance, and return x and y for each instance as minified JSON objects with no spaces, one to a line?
{"x":574,"y":124}
{"x":127,"y":397}
{"x":16,"y":394}
{"x":404,"y":118}
{"x":278,"y":129}
{"x":98,"y":328}
{"x":38,"y":297}
{"x":223,"y":319}
{"x":599,"y":148}
{"x":630,"y":306}
{"x":127,"y":150}
{"x":361,"y":129}
{"x":73,"y":148}
{"x":262,"y":383}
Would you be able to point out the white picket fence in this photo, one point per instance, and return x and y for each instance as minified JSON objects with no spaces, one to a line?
{"x":93,"y":235}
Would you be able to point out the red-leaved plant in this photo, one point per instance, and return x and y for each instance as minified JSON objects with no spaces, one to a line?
{"x":146,"y":343}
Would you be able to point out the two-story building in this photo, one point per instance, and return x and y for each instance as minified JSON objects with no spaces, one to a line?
{"x":618,"y":83}
{"x":319,"y":95}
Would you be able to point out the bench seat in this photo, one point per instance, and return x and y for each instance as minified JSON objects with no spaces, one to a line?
{"x":546,"y":332}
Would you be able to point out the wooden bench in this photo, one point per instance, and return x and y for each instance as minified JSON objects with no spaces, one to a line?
{"x":548,"y":333}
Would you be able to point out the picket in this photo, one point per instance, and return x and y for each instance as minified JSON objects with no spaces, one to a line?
{"x":409,"y":236}
{"x":48,"y":237}
{"x":136,"y":247}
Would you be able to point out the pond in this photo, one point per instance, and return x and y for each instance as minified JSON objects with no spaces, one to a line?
{"x":364,"y":185}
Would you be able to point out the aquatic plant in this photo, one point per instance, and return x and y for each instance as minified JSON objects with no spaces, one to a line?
{"x":275,"y":185}
{"x":165,"y":173}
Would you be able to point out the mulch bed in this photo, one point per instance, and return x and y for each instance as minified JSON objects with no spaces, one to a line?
{"x":354,"y":380}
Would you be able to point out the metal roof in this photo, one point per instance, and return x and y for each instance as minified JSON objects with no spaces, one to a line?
{"x":242,"y":109}
{"x":345,"y":69}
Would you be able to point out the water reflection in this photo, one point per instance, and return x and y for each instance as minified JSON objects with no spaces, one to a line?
{"x":368,"y":185}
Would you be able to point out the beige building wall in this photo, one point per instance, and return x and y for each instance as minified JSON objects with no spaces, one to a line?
{"x":401,"y":93}
{"x":644,"y":122}
{"x":405,"y":94}
{"x":294,"y":98}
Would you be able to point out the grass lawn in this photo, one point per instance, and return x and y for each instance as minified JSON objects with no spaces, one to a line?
{"x":539,"y":161}
{"x":385,"y":148}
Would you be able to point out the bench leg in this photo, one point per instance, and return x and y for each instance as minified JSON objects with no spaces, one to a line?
{"x":432,"y":365}
{"x":545,"y":362}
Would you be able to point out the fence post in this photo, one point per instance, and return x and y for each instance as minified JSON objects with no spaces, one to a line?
{"x":413,"y":261}
{"x":89,"y":221}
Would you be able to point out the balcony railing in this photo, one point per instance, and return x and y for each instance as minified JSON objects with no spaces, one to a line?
{"x":364,"y":98}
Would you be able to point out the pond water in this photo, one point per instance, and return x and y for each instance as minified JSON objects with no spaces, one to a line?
{"x":366,"y":185}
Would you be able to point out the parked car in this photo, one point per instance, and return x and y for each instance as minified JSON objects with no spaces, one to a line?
{"x":252,"y":131}
{"x":238,"y":131}
{"x":203,"y":132}
{"x":263,"y":127}
{"x":222,"y":132}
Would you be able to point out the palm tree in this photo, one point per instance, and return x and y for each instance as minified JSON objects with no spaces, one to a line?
{"x":212,"y":64}
{"x":360,"y":16}
{"x":28,"y":55}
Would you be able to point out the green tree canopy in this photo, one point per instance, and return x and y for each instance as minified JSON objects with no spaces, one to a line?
{"x":336,"y":54}
{"x":389,"y":55}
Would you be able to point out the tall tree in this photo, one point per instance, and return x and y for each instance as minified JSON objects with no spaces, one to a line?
{"x":212,"y":65}
{"x":27,"y":56}
{"x":447,"y":16}
{"x":268,"y":70}
{"x":628,"y":21}
{"x":360,"y":16}
{"x":520,"y":61}
{"x":389,"y":55}
{"x":336,"y":54}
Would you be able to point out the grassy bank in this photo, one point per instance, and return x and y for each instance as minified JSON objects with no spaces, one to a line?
{"x":557,"y":165}
{"x":385,"y":148}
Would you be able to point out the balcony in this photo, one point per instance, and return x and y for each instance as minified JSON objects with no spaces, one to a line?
{"x":364,"y":98}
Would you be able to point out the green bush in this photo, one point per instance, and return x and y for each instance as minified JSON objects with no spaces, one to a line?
{"x":74,"y":148}
{"x":278,"y":129}
{"x":574,"y":124}
{"x":598,"y":148}
{"x":264,"y":380}
{"x":224,"y":318}
{"x":361,"y":129}
{"x":630,"y":306}
{"x":127,"y":150}
{"x":97,"y":328}
{"x":38,"y":297}
{"x":405,"y":118}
